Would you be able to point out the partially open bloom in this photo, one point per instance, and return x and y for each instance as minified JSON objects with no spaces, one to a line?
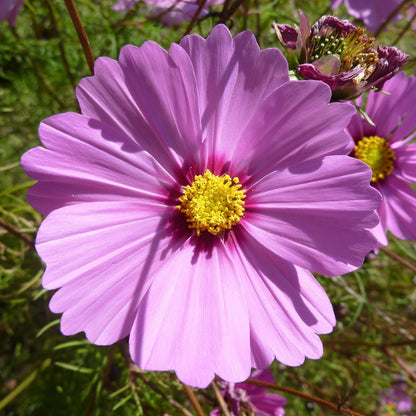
{"x":372,"y":12}
{"x":340,"y":54}
{"x":171,"y":12}
{"x":9,"y":9}
{"x":386,"y":149}
{"x":188,"y":201}
{"x":245,"y":399}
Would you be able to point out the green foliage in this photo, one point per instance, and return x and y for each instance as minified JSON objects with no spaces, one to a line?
{"x":44,"y":373}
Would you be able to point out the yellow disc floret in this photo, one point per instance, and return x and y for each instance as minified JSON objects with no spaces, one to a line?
{"x":377,"y":153}
{"x":212,"y":203}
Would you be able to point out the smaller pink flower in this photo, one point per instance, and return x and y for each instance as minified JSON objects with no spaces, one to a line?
{"x":243,"y":398}
{"x":395,"y":401}
{"x":338,"y":53}
{"x":372,"y":12}
{"x":9,"y":9}
{"x":386,"y":147}
{"x":170,"y":12}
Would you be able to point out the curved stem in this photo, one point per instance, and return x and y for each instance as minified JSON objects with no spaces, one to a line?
{"x":338,"y":409}
{"x":400,"y":259}
{"x":15,"y":231}
{"x":220,"y":399}
{"x":201,"y":5}
{"x":82,"y":35}
{"x":405,"y":29}
{"x":390,"y":17}
{"x":401,"y":363}
{"x":195,"y":403}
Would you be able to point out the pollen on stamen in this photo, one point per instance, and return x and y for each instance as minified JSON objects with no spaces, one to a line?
{"x":377,"y":153}
{"x":212,"y":203}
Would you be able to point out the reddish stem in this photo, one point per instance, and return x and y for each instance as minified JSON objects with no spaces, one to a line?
{"x":338,"y":409}
{"x":82,"y":35}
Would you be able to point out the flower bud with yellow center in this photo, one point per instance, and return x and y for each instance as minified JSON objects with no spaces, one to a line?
{"x":377,"y":153}
{"x":212,"y":203}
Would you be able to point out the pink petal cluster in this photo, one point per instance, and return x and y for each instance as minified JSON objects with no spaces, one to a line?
{"x":9,"y":9}
{"x":121,"y":253}
{"x":394,"y":116}
{"x":338,"y":53}
{"x":170,"y":12}
{"x":244,"y":398}
{"x":372,"y":12}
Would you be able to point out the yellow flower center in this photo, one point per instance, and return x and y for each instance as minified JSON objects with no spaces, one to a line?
{"x":353,"y":49}
{"x":377,"y":153}
{"x":212,"y":203}
{"x":390,"y":409}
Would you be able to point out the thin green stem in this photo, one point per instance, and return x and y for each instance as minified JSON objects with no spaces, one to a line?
{"x":24,"y":384}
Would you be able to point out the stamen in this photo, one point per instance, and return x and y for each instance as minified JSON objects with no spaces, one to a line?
{"x":377,"y":153}
{"x":353,"y":49}
{"x":212,"y":203}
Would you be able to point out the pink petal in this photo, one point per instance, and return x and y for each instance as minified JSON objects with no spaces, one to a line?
{"x":287,"y":306}
{"x":106,"y":97}
{"x":194,"y":318}
{"x":269,"y":404}
{"x":373,"y":12}
{"x":9,"y":9}
{"x":379,"y":231}
{"x":406,"y":162}
{"x":173,"y":13}
{"x":393,"y":110}
{"x":289,"y":213}
{"x":103,"y":255}
{"x":275,"y":138}
{"x":229,"y":87}
{"x":164,"y":87}
{"x":400,"y":205}
{"x":87,"y":160}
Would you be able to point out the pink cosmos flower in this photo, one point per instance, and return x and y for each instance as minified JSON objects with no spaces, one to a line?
{"x":170,"y":12}
{"x":372,"y":12}
{"x":338,"y":53}
{"x":9,"y":9}
{"x":247,"y":399}
{"x":186,"y":204}
{"x":385,"y":147}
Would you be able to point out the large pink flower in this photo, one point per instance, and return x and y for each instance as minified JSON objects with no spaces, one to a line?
{"x":385,"y":147}
{"x":170,"y":12}
{"x":9,"y":9}
{"x":148,"y":232}
{"x":372,"y":12}
{"x":248,"y":399}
